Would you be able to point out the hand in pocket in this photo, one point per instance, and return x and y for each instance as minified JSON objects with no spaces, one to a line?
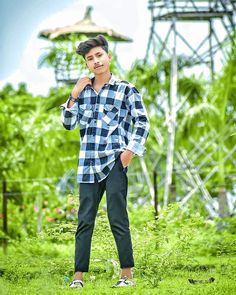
{"x":126,"y":157}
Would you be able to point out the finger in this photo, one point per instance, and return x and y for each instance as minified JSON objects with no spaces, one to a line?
{"x":89,"y":81}
{"x":83,"y":79}
{"x":86,"y":79}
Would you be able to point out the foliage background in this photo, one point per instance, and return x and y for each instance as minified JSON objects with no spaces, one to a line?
{"x":38,"y":161}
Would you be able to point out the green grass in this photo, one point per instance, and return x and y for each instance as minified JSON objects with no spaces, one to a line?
{"x":177,"y":283}
{"x":166,"y":255}
{"x":35,"y":274}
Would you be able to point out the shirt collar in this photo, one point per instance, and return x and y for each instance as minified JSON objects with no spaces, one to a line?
{"x":112,"y":80}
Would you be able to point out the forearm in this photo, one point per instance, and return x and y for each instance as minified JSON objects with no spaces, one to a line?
{"x":74,"y":95}
{"x":70,"y":104}
{"x":70,"y":109}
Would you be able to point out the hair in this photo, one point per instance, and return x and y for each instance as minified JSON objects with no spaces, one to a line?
{"x":86,"y":46}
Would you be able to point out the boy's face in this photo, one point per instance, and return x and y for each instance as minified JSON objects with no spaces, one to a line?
{"x":98,"y":60}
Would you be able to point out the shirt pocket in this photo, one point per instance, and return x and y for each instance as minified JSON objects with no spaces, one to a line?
{"x":110,"y":114}
{"x":86,"y":113}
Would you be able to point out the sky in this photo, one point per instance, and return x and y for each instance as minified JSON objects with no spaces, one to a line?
{"x":21,"y":22}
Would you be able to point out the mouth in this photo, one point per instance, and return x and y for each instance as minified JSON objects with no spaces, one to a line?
{"x":98,"y":67}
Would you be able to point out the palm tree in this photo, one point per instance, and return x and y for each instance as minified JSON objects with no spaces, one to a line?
{"x":214,"y":116}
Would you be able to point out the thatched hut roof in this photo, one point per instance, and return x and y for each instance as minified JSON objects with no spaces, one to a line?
{"x":84,"y":27}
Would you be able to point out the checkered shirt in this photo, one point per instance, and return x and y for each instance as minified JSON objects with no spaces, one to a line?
{"x":111,"y":121}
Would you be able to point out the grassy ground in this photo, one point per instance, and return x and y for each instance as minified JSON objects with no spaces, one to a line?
{"x":178,"y":284}
{"x":31,"y":274}
{"x":167,"y":254}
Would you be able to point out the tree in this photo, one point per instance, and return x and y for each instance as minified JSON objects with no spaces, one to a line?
{"x":215,"y":116}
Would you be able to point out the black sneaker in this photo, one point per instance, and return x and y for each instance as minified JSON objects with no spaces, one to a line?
{"x":76,"y":284}
{"x":124,"y":282}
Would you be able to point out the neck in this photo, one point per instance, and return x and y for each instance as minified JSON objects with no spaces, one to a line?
{"x":103,"y":78}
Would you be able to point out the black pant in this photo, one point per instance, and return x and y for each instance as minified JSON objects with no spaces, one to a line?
{"x":115,"y":184}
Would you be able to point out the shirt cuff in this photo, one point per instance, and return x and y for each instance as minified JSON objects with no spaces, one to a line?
{"x":73,"y":109}
{"x":136,"y":148}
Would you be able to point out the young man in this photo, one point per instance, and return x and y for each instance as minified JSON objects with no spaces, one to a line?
{"x":104,"y":107}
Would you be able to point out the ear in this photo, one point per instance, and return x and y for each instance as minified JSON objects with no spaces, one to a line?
{"x":110,"y":56}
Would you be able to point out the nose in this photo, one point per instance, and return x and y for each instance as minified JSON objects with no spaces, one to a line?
{"x":96,"y":60}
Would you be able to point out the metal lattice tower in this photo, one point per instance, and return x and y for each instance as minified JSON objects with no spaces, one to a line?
{"x":217,"y":19}
{"x":215,"y":24}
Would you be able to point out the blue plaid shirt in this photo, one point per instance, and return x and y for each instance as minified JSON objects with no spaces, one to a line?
{"x":105,"y":120}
